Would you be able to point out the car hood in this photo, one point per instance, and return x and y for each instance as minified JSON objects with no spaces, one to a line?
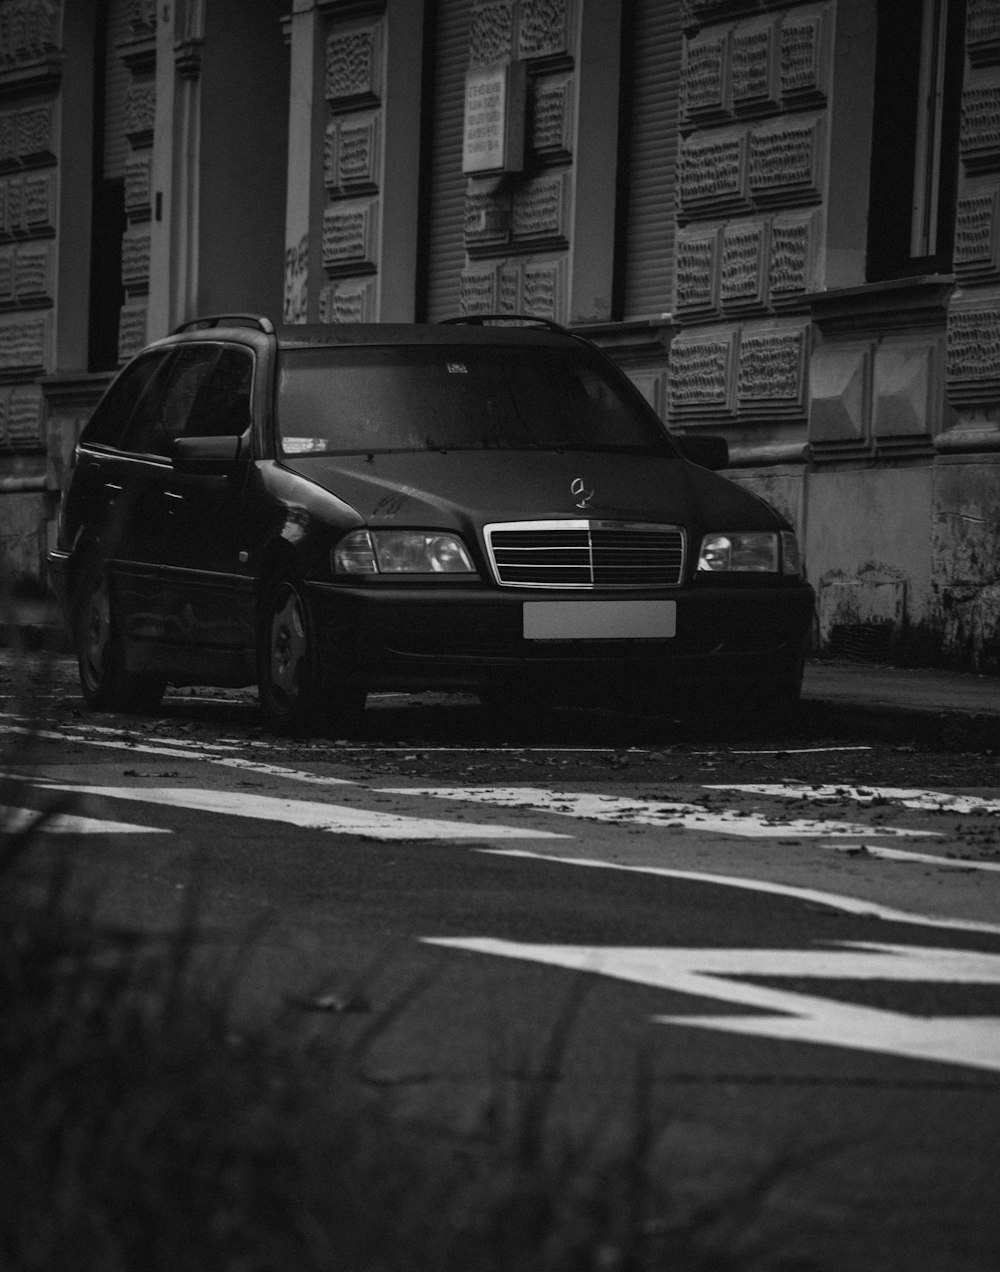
{"x":455,"y":488}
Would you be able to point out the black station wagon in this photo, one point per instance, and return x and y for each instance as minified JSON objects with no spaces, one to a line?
{"x":479,"y":506}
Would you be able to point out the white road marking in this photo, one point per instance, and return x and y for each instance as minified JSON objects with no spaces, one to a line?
{"x":970,"y":1041}
{"x":917,"y":858}
{"x":811,"y":896}
{"x":188,"y":752}
{"x":644,"y":812}
{"x":906,"y":797}
{"x":13,"y":820}
{"x":310,"y":814}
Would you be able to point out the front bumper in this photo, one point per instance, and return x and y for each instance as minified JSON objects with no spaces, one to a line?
{"x":458,"y":636}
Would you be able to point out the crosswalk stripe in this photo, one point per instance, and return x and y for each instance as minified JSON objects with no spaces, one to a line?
{"x":641,"y":812}
{"x":904,"y":796}
{"x":312,"y":814}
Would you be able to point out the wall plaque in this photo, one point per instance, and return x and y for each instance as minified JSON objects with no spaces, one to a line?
{"x":543,"y":28}
{"x":138,"y":199}
{"x":478,"y":290}
{"x":493,"y":136}
{"x":713,"y":169}
{"x":487,"y":218}
{"x":703,"y":78}
{"x":743,"y":272}
{"x":771,"y":375}
{"x":349,"y":237}
{"x":785,"y":162}
{"x":982,"y":32}
{"x":696,"y":276}
{"x":551,"y":118}
{"x":135,"y":263}
{"x":354,"y":65}
{"x":792,"y":265}
{"x":700,"y":376}
{"x":802,"y":59}
{"x":753,"y":58}
{"x":25,"y":343}
{"x":358,"y":152}
{"x":980,"y":131}
{"x":351,"y":300}
{"x":543,"y":289}
{"x":540,"y":210}
{"x":6,"y":276}
{"x":33,"y":272}
{"x":491,"y":38}
{"x":24,"y":418}
{"x":840,"y":397}
{"x":140,"y":113}
{"x":973,"y":354}
{"x":977,"y":235}
{"x":131,"y":330}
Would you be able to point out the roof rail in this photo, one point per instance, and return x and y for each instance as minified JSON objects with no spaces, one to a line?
{"x":227,"y":320}
{"x":490,"y":320}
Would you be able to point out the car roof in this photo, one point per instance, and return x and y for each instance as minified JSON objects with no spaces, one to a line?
{"x":378,"y":333}
{"x":479,"y":330}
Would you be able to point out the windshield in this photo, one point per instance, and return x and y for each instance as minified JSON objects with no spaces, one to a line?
{"x":438,"y":398}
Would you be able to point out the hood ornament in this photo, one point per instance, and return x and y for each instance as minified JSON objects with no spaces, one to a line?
{"x":582,"y":492}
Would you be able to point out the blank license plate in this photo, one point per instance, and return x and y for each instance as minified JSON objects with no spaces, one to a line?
{"x":599,"y":620}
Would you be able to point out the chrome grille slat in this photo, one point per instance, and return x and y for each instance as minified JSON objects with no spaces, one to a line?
{"x":586,"y":554}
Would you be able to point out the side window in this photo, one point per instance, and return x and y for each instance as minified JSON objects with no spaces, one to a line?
{"x":222,"y":407}
{"x":162,"y":412}
{"x":109,"y":422}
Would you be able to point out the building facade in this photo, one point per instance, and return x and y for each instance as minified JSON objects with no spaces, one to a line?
{"x":783,"y":220}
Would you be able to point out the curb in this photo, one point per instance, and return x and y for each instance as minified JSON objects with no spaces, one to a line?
{"x":936,"y":728}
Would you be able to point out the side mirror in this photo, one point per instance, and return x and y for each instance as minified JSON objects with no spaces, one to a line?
{"x":210,"y":456}
{"x":706,"y":449}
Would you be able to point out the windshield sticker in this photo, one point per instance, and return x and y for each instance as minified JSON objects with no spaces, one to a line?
{"x":303,"y":445}
{"x":457,"y":368}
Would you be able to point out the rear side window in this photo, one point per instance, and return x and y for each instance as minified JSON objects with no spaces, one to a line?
{"x":109,"y":422}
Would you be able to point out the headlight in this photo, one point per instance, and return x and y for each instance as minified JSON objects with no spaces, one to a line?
{"x":400,"y":552}
{"x":756,"y":551}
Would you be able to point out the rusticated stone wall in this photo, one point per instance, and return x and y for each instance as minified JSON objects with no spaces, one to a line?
{"x":138,"y":52}
{"x":517,"y":228}
{"x":750,"y":201}
{"x":974,"y":319}
{"x":354,"y":92}
{"x":30,"y":76}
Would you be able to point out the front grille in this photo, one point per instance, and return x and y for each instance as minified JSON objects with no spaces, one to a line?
{"x":586,"y":554}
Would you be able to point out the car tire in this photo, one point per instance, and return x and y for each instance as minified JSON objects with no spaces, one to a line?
{"x":295,"y":695}
{"x":105,"y":682}
{"x":286,"y":659}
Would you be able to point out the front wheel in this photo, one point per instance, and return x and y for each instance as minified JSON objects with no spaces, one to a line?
{"x":105,"y":682}
{"x":295,"y":695}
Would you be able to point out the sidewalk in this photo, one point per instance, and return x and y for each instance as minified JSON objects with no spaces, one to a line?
{"x":955,"y":709}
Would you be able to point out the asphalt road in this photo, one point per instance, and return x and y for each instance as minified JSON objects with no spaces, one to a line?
{"x":785,"y":946}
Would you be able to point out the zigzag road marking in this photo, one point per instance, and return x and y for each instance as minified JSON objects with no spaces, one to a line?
{"x":181,"y":752}
{"x":13,"y":820}
{"x":642,"y":812}
{"x":311,"y":814}
{"x":718,"y":974}
{"x":810,"y":896}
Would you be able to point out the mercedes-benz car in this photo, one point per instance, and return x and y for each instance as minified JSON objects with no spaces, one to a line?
{"x":481,"y":506}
